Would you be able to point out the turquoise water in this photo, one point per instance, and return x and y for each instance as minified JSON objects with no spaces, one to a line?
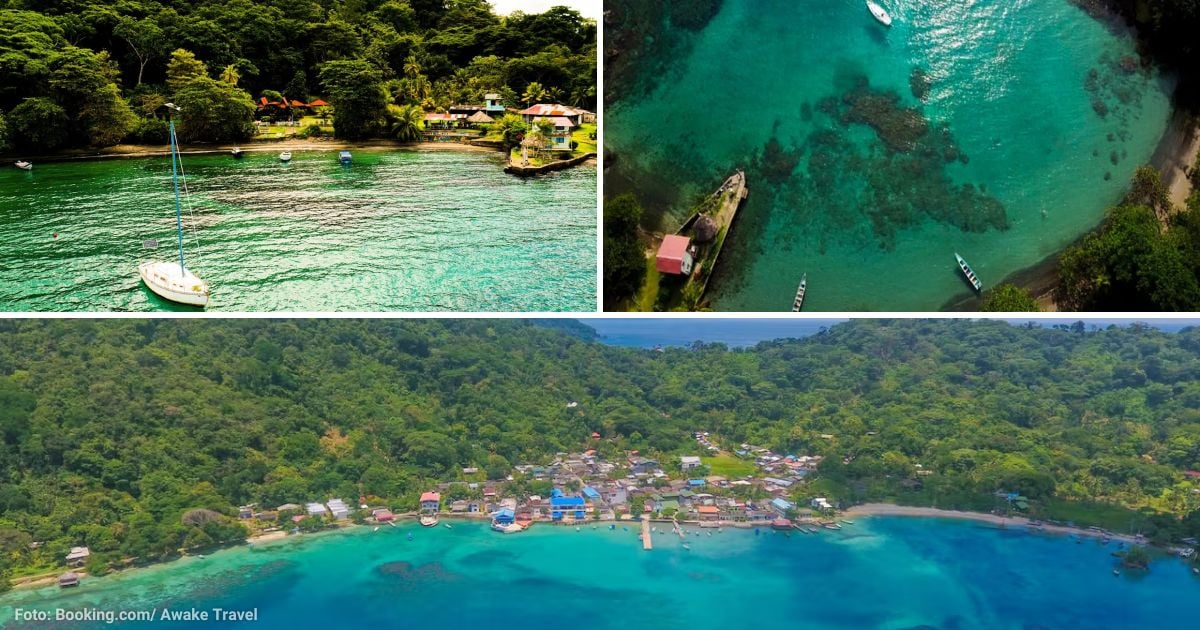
{"x":400,"y":230}
{"x":1040,"y":108}
{"x":878,"y":573}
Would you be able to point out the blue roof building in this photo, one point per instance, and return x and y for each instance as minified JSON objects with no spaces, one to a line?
{"x":782,"y":505}
{"x":696,"y":483}
{"x":503,"y":517}
{"x":591,"y":493}
{"x":560,"y":505}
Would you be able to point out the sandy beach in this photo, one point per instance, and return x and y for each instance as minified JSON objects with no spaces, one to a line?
{"x":888,"y":509}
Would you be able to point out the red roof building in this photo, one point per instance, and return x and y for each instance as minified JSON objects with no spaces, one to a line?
{"x":431,"y":502}
{"x":595,"y":435}
{"x":1194,"y":474}
{"x":673,"y":256}
{"x":318,"y":103}
{"x":383,"y":515}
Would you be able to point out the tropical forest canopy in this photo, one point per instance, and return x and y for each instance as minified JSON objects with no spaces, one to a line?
{"x":77,"y":73}
{"x":113,"y":433}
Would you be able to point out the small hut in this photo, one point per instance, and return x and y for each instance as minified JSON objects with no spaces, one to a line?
{"x":480,"y":118}
{"x":68,"y":579}
{"x":705,"y":230}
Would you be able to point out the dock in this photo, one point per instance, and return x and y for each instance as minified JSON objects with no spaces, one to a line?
{"x":706,"y":229}
{"x":647,"y":539}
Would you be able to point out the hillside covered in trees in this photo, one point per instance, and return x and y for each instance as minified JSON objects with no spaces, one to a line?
{"x":79,"y":73}
{"x":114,"y":433}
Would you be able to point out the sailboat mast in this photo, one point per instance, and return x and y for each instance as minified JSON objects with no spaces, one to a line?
{"x":175,"y":181}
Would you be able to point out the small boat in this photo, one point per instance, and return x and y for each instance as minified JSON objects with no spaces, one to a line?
{"x":429,"y":520}
{"x":237,"y":153}
{"x":847,"y":522}
{"x":880,"y":15}
{"x":410,"y":536}
{"x":798,"y":303}
{"x":376,"y":528}
{"x":286,"y":156}
{"x":448,"y":525}
{"x":23,"y":165}
{"x":344,"y":157}
{"x":968,"y":272}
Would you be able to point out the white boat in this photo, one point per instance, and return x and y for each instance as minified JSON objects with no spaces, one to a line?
{"x":23,"y":165}
{"x":798,"y":303}
{"x":237,"y":152}
{"x":969,"y":273}
{"x":879,"y":13}
{"x":286,"y":156}
{"x":166,"y":281}
{"x":429,"y":520}
{"x":448,"y":526}
{"x":170,"y":280}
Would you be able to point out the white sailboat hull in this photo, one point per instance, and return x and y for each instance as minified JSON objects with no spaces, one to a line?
{"x":165,"y":280}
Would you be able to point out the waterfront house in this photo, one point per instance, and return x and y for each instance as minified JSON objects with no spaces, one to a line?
{"x":431,"y":502}
{"x":709,"y":512}
{"x":558,"y":138}
{"x":820,"y":503}
{"x":565,"y":506}
{"x":435,"y":120}
{"x":383,"y":515}
{"x":688,"y":462}
{"x":782,"y":506}
{"x":78,"y":556}
{"x":673,"y":256}
{"x":339,"y":509}
{"x":458,"y":506}
{"x":543,"y":110}
{"x":315,"y":509}
{"x":68,"y":579}
{"x":504,"y":517}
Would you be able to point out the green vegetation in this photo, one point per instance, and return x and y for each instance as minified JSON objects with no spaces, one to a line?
{"x":94,"y":73}
{"x":114,"y":433}
{"x":624,"y":256}
{"x":1009,"y":298}
{"x":729,"y":466}
{"x":1145,"y":257}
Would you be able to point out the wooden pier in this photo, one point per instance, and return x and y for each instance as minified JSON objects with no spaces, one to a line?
{"x":647,"y":539}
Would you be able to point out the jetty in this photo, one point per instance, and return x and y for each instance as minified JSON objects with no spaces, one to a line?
{"x":647,"y":539}
{"x":685,"y":260}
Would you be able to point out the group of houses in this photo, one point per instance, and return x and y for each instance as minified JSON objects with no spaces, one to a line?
{"x":458,"y":121}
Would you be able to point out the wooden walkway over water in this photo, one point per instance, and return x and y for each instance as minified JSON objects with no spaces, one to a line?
{"x":647,"y":540}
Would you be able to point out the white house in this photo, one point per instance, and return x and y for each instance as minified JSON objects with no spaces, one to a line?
{"x":78,"y":556}
{"x":688,"y":462}
{"x":820,"y":503}
{"x":338,"y":508}
{"x":315,"y":509}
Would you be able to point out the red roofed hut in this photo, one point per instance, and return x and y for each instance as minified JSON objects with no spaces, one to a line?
{"x":673,"y":256}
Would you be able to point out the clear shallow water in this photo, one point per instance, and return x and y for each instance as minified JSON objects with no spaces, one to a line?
{"x":878,"y":573}
{"x":1020,"y":86}
{"x":397,"y":231}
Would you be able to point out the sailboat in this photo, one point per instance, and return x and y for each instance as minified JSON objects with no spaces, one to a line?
{"x":969,"y":273}
{"x":169,"y":280}
{"x":799,"y":301}
{"x":879,"y":13}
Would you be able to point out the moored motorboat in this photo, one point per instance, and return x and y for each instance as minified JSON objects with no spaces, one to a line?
{"x":879,"y":13}
{"x":798,"y":303}
{"x":429,"y":520}
{"x":237,"y":152}
{"x":344,"y":157}
{"x":23,"y":165}
{"x":286,"y":156}
{"x":968,"y":272}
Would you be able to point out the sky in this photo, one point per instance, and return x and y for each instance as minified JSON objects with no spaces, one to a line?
{"x":589,"y":8}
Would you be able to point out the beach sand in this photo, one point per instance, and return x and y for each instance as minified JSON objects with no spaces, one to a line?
{"x":888,"y":509}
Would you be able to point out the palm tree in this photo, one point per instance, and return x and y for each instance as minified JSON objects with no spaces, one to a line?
{"x":534,"y":92}
{"x":412,"y":69}
{"x":230,"y":74}
{"x":407,"y":122}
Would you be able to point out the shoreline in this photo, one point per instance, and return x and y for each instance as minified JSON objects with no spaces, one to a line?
{"x":891,"y":509}
{"x":253,"y":146}
{"x":1175,"y":152}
